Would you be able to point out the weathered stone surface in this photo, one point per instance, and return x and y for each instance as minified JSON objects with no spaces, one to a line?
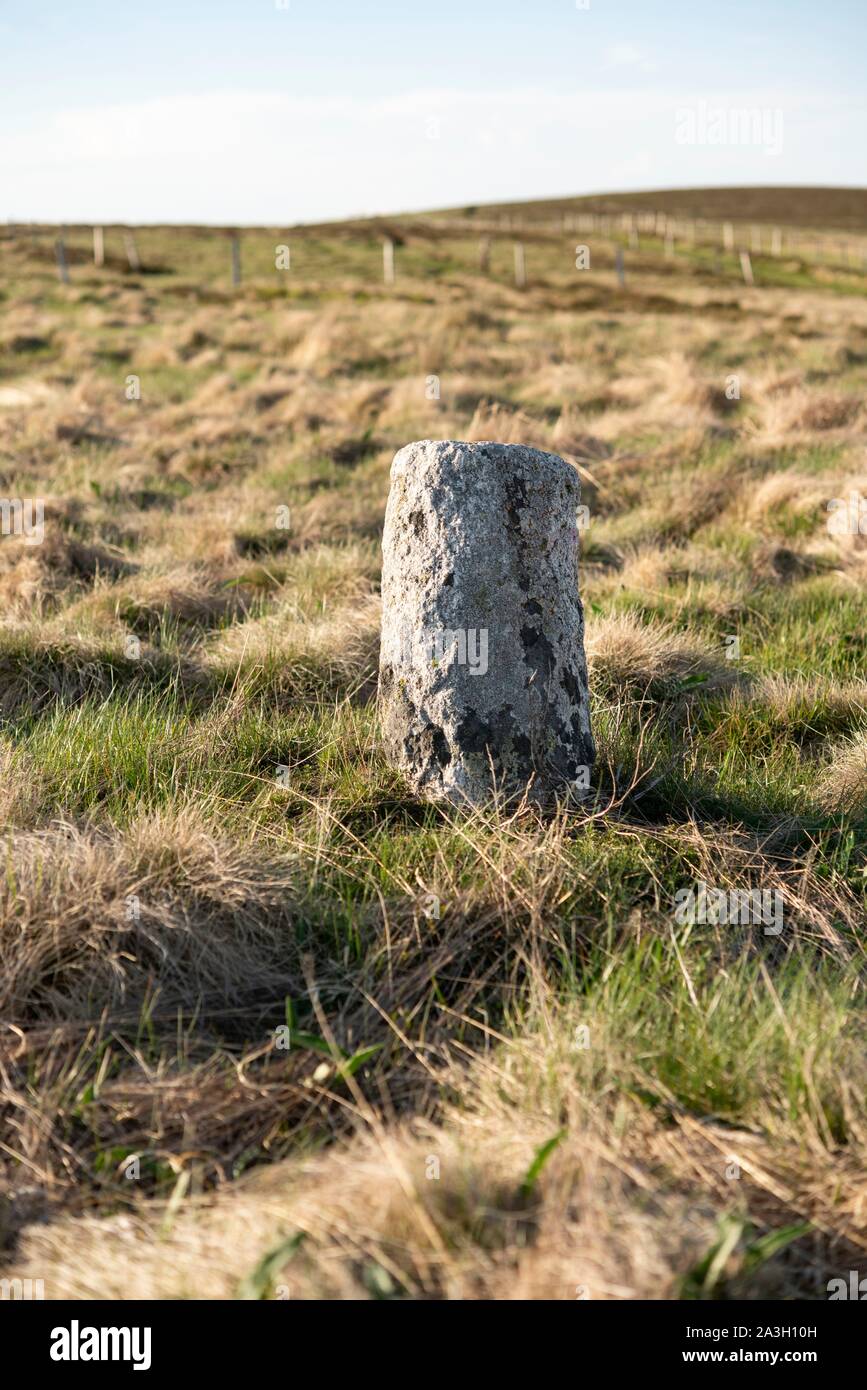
{"x":482,"y":675}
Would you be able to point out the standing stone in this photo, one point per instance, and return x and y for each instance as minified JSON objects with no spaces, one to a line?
{"x":482,"y":677}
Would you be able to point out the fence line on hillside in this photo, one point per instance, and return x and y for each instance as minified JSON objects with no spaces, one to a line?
{"x":760,"y":239}
{"x":645,"y":233}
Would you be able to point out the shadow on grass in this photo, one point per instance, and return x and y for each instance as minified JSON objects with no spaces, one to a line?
{"x":34,"y":680}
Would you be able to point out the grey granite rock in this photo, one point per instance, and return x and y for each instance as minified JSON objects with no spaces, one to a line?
{"x":482,"y":677}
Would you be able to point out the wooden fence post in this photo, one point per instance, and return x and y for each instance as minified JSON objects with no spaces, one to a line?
{"x":98,"y":247}
{"x":388,"y":260}
{"x":131,"y":249}
{"x":62,"y":267}
{"x":520,"y":265}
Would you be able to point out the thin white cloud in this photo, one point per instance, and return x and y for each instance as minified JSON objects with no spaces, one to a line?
{"x":628,"y":55}
{"x":253,"y":156}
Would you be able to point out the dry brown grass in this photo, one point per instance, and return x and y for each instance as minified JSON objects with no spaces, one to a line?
{"x":444,"y":1210}
{"x":624,"y":653}
{"x":161,"y":910}
{"x":843,"y":787}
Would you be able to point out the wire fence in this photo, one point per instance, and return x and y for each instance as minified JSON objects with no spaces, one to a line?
{"x":502,"y":246}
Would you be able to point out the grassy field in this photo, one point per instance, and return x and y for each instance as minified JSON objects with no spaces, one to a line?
{"x":274,"y":1029}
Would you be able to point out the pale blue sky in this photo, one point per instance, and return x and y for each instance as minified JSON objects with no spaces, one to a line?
{"x":242,"y":111}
